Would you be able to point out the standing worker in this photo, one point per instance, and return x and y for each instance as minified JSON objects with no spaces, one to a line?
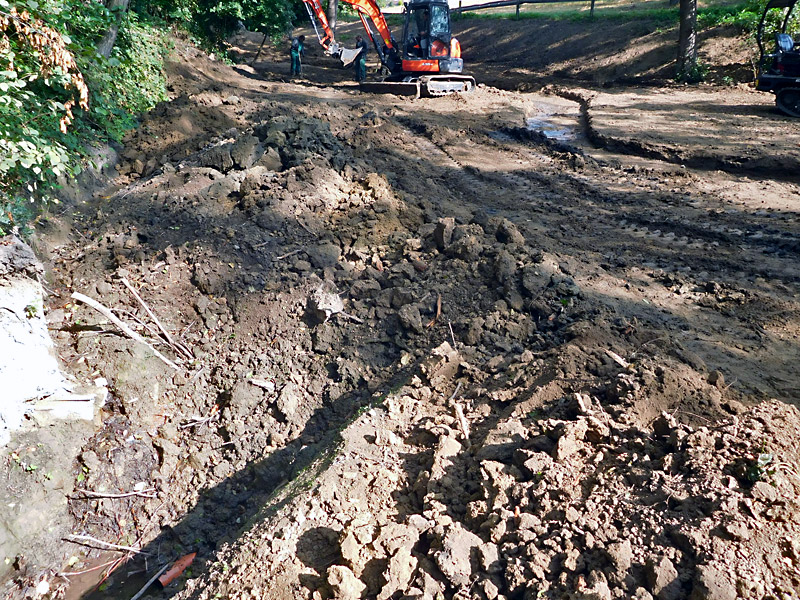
{"x":361,"y":59}
{"x":296,"y":52}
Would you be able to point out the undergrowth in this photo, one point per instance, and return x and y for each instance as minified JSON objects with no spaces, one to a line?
{"x":47,"y":60}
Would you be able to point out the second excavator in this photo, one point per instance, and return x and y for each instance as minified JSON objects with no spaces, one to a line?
{"x":427,"y":61}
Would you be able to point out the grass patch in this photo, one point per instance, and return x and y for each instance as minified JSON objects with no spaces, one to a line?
{"x":743,"y":15}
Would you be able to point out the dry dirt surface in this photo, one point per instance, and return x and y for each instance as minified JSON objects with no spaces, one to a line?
{"x":495,"y":347}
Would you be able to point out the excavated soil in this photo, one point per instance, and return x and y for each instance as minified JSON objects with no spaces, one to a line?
{"x":510,"y":345}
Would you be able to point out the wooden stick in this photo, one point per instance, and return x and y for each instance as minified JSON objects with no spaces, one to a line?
{"x":288,"y":254}
{"x":141,"y":592}
{"x":462,"y":420}
{"x":65,"y":574}
{"x":127,"y":330}
{"x":143,"y":494}
{"x":349,"y":316}
{"x":136,"y":295}
{"x":255,"y":58}
{"x":85,"y":540}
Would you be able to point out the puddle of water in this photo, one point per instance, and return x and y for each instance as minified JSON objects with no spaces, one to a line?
{"x":552,"y":131}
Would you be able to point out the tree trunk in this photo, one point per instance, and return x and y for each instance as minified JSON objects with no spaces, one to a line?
{"x":331,"y":13}
{"x":117,"y":8}
{"x":687,"y":42}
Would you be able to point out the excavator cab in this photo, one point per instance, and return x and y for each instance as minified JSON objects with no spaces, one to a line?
{"x":428,"y":45}
{"x":779,"y":63}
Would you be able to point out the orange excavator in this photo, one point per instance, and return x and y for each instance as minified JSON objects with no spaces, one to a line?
{"x":427,"y":61}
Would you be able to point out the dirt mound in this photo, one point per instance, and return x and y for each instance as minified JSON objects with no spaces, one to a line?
{"x":561,"y":500}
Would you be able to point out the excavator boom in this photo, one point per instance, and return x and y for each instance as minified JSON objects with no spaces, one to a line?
{"x":317,"y":15}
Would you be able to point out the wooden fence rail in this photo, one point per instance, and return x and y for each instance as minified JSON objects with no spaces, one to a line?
{"x":517,"y":3}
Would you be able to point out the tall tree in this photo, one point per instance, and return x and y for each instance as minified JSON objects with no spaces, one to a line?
{"x":333,"y":5}
{"x":117,"y":8}
{"x":687,"y":42}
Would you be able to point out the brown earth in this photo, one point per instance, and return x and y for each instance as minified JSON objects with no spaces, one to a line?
{"x":509,"y":345}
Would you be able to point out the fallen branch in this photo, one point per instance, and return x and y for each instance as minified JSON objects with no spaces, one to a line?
{"x":618,"y":359}
{"x":143,"y":493}
{"x":87,"y":540}
{"x":349,"y":316}
{"x":255,"y":58}
{"x":168,"y":337}
{"x":462,"y":420}
{"x":127,"y":330}
{"x":288,"y":254}
{"x":303,"y":225}
{"x":95,"y":568}
{"x":264,"y":384}
{"x":195,"y":421}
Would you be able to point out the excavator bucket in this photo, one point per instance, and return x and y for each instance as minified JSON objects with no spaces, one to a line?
{"x":347,"y":56}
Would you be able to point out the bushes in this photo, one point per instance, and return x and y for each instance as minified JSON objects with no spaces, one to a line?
{"x":57,"y":94}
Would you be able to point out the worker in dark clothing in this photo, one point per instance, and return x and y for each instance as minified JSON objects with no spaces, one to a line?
{"x":360,"y":61}
{"x":297,"y":50}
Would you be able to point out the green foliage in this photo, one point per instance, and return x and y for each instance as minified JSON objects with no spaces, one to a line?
{"x":212,"y":21}
{"x":742,"y":16}
{"x":37,"y":144}
{"x":695,"y":74}
{"x":132,"y":80}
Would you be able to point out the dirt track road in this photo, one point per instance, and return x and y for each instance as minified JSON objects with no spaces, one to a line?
{"x":528,"y":281}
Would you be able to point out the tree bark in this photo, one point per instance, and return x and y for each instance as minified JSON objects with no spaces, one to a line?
{"x":687,"y":41}
{"x":118,"y":8}
{"x":333,"y":5}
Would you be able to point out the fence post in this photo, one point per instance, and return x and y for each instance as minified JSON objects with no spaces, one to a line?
{"x":459,"y":6}
{"x":591,"y":10}
{"x":518,"y":3}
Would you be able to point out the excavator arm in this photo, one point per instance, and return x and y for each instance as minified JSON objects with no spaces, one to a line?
{"x":368,"y":8}
{"x":320,"y":21}
{"x":368,"y":11}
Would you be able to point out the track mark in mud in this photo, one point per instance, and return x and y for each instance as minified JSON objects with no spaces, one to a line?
{"x":765,"y":166}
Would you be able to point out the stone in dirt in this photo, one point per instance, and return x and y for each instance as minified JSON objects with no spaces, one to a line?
{"x":454,"y":559}
{"x":398,"y":574}
{"x":621,"y":555}
{"x":345,"y":585}
{"x":662,"y":578}
{"x":322,"y":303}
{"x":410,"y":318}
{"x":246,"y":151}
{"x":507,"y":233}
{"x":324,"y":255}
{"x":443,"y":234}
{"x":713,"y":583}
{"x":442,"y":366}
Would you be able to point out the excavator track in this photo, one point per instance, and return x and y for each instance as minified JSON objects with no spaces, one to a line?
{"x":442,"y":85}
{"x":428,"y":86}
{"x":788,"y":101}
